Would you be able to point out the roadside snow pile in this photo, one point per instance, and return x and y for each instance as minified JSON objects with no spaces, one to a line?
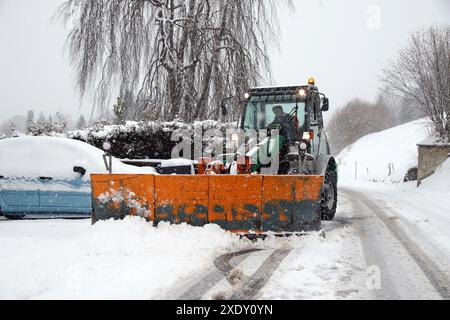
{"x":112,"y":260}
{"x":383,"y":157}
{"x":439,"y":181}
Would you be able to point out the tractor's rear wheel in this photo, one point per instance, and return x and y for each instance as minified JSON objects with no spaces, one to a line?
{"x":329,"y":197}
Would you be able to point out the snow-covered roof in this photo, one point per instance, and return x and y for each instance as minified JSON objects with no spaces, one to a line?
{"x":276,"y":87}
{"x":433,"y":141}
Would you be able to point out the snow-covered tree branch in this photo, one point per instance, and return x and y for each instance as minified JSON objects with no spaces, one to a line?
{"x":422,"y":74}
{"x":178,"y":57}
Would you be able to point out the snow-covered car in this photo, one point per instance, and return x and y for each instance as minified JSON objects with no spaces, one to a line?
{"x":47,"y":176}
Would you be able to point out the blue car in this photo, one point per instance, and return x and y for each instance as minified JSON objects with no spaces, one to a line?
{"x":50,"y":177}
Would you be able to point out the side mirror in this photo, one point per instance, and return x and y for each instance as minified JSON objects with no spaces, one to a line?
{"x":80,"y":170}
{"x":326,"y":105}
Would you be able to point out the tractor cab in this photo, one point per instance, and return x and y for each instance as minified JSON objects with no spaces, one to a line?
{"x":296,"y":112}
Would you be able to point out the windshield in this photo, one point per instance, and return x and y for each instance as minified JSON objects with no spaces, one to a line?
{"x":261,"y":112}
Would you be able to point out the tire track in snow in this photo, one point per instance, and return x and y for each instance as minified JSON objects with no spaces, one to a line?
{"x":437,"y":277}
{"x":250,"y":287}
{"x":224,"y":269}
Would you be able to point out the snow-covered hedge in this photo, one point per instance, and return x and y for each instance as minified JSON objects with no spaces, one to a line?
{"x":143,"y":140}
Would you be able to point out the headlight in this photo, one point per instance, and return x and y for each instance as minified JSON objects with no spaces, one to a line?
{"x":308,"y":136}
{"x":303,"y":146}
{"x":302,"y":93}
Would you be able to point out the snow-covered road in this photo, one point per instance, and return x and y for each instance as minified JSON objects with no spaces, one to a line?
{"x":410,"y":265}
{"x":382,"y":245}
{"x":370,"y":252}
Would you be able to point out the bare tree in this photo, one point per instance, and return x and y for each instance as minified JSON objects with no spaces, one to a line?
{"x":119,"y":110}
{"x":422,"y":75}
{"x":357,"y":119}
{"x":178,"y":57}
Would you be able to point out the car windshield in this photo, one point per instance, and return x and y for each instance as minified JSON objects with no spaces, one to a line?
{"x":260,"y":111}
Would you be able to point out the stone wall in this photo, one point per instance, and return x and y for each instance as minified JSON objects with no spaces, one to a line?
{"x":430,"y":158}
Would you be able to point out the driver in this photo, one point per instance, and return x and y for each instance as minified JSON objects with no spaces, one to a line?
{"x":286,"y":121}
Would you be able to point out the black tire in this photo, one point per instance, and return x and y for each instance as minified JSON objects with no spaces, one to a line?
{"x":329,"y":197}
{"x":14,"y":216}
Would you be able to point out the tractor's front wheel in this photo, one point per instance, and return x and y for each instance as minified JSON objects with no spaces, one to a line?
{"x":329,"y":197}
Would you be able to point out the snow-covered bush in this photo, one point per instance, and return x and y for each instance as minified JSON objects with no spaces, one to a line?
{"x":146,"y":140}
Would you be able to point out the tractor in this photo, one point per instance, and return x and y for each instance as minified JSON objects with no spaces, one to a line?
{"x":280,"y":179}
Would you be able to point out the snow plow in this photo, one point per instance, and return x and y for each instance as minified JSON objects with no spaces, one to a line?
{"x":281,"y":182}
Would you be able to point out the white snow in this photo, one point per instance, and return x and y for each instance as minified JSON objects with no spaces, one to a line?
{"x":440,"y":181}
{"x":424,"y":210}
{"x":130,"y":259}
{"x":33,"y":157}
{"x":54,"y":186}
{"x":433,"y":140}
{"x":318,"y":268}
{"x":371,"y":156}
{"x":178,"y":163}
{"x":110,"y":260}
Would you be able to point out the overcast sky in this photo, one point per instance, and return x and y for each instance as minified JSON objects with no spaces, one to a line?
{"x":342,"y":43}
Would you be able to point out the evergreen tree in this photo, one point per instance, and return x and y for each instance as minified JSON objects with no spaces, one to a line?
{"x":81,"y":123}
{"x":60,"y":123}
{"x":30,"y":121}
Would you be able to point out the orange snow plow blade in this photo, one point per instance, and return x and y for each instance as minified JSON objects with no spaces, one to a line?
{"x":118,"y":196}
{"x":240,"y":204}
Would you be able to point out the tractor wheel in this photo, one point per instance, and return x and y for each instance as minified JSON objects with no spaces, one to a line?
{"x":14,"y":216}
{"x":329,"y":197}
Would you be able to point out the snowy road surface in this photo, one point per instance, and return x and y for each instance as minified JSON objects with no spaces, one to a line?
{"x":382,"y":245}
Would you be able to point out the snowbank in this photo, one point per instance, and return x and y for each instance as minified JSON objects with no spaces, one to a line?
{"x":440,"y":181}
{"x":130,"y":259}
{"x":383,"y":157}
{"x":111,"y":260}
